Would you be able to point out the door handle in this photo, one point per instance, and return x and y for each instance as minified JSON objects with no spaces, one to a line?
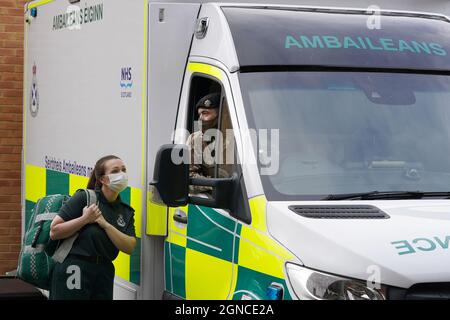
{"x":180,"y":216}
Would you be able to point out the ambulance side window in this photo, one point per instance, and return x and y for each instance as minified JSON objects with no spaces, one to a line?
{"x":223,"y":153}
{"x":224,"y":156}
{"x":202,"y":158}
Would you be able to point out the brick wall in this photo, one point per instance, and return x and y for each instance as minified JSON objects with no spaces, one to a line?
{"x":11,"y":70}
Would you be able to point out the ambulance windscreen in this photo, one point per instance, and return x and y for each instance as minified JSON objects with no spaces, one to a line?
{"x":287,"y":37}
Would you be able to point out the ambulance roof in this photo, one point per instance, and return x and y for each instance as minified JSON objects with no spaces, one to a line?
{"x":287,"y":36}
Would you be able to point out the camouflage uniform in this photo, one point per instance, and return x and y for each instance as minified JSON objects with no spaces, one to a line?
{"x":199,"y":168}
{"x":203,"y":146}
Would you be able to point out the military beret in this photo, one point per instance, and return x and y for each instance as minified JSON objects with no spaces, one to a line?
{"x":211,"y":100}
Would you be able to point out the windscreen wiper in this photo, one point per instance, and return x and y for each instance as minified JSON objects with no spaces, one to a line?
{"x":380,"y":195}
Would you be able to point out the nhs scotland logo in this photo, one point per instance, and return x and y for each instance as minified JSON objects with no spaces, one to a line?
{"x":126,"y":82}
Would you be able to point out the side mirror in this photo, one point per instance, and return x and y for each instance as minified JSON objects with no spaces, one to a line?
{"x":170,"y":185}
{"x":171,"y":176}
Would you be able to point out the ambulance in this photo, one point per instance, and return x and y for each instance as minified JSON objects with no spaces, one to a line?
{"x":336,"y":132}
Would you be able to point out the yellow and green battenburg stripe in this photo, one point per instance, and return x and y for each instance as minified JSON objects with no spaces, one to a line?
{"x":261,"y":259}
{"x":40,"y":182}
{"x":249,"y":259}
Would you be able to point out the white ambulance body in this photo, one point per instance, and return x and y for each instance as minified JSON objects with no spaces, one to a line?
{"x":347,"y":198}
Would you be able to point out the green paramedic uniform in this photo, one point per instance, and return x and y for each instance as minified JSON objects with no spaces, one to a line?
{"x":88,"y":271}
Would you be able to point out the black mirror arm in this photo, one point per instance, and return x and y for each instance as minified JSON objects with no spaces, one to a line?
{"x":222,"y":191}
{"x":207,"y":202}
{"x":210,"y":182}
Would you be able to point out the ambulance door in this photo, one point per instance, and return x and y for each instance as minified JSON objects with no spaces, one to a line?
{"x":201,"y":241}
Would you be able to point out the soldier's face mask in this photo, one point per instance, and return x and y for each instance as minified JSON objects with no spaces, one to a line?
{"x":117,"y":181}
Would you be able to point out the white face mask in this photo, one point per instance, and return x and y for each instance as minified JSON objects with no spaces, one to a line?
{"x":117,"y":181}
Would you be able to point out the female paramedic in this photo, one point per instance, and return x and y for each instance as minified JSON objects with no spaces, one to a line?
{"x":103,"y":228}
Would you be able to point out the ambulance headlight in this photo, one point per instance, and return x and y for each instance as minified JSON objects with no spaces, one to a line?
{"x":314,"y":285}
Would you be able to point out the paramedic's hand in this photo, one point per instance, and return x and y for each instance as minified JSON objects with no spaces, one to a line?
{"x":102,"y":222}
{"x":91,"y":213}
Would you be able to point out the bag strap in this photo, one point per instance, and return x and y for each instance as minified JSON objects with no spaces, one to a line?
{"x":64,"y":248}
{"x":91,"y":196}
